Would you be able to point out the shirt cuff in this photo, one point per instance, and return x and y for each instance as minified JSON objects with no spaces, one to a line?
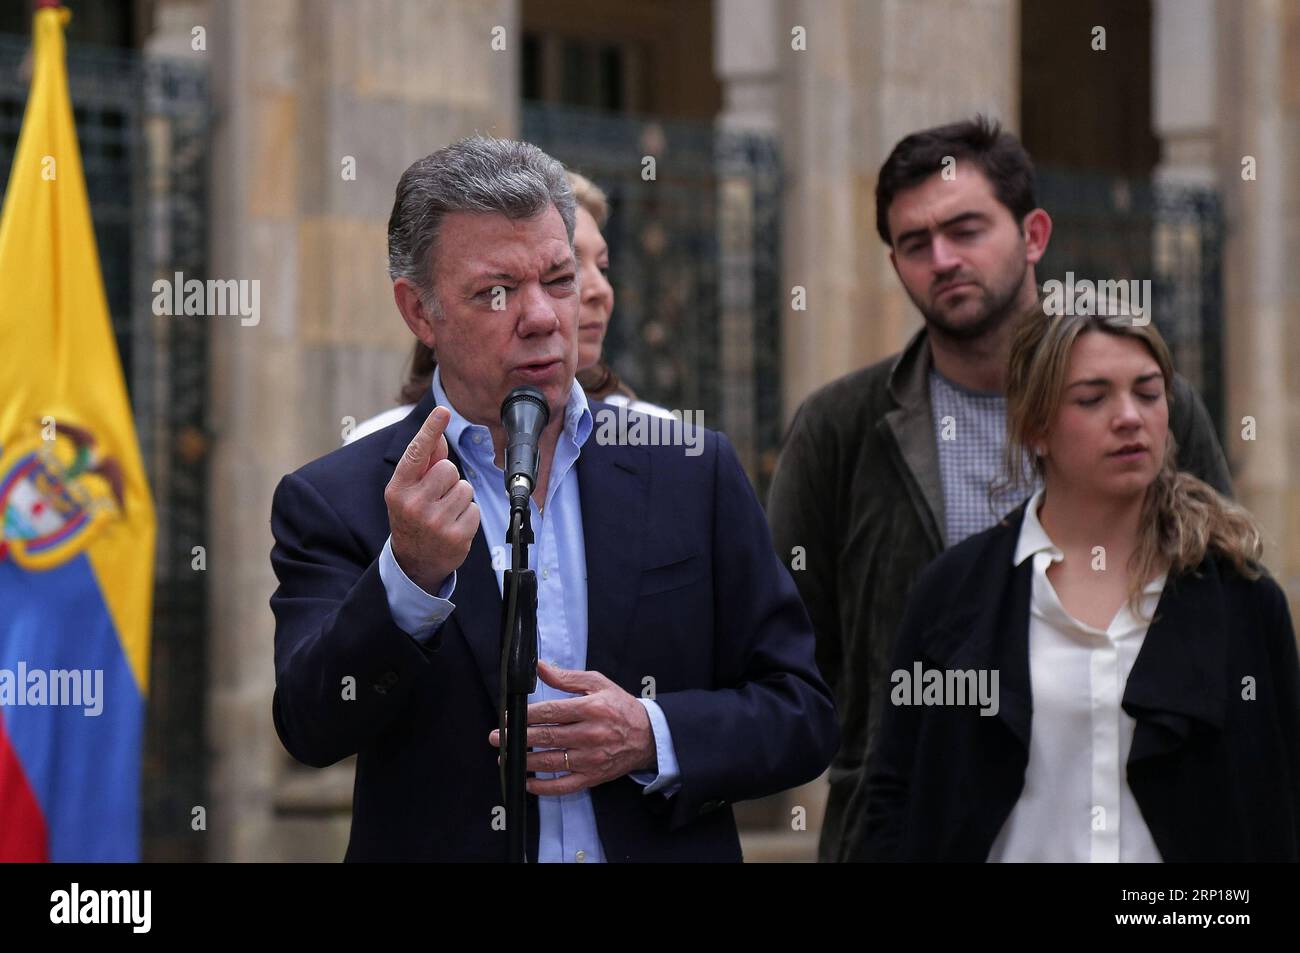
{"x":416,"y":613}
{"x":668,"y":781}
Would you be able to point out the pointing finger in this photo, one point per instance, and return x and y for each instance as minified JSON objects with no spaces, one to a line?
{"x":426,"y":448}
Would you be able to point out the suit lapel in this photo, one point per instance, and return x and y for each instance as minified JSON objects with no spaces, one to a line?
{"x":613,"y":482}
{"x":477,"y":598}
{"x":1177,"y":678}
{"x":986,"y":627}
{"x":911,"y":425}
{"x":479,"y":606}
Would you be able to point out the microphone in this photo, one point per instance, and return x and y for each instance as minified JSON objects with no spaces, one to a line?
{"x":524,"y":414}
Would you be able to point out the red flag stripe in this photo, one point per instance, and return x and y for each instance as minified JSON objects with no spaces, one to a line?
{"x":22,"y":826}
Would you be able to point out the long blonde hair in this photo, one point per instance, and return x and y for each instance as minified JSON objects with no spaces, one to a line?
{"x":1182,"y":517}
{"x":589,"y":195}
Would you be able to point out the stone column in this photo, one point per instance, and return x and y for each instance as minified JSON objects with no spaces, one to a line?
{"x":745,"y":44}
{"x":1258,"y":104}
{"x":1183,"y":111}
{"x":746,"y":58}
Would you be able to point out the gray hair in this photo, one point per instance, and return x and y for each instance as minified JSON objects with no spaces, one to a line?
{"x":478,"y":174}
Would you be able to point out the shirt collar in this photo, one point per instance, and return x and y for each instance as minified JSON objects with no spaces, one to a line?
{"x":1034,"y":539}
{"x":938,"y":378}
{"x":461,"y":432}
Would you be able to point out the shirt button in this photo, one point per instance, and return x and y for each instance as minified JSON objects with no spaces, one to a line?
{"x":469,"y":474}
{"x":546,"y":574}
{"x":478,"y":438}
{"x":580,"y":856}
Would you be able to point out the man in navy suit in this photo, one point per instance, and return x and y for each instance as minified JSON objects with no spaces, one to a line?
{"x":680,"y":673}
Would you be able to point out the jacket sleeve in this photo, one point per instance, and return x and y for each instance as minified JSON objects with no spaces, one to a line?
{"x":885,"y":780}
{"x":343,"y":669}
{"x":769,"y":723}
{"x":1199,"y":452}
{"x":799,"y":505}
{"x":1285,"y":664}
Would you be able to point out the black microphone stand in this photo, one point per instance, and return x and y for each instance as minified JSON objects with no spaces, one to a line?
{"x":518,"y":675}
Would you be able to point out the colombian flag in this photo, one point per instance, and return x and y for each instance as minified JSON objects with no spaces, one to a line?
{"x":76,"y":518}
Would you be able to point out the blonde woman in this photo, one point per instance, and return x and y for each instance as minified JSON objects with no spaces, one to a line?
{"x":595,"y":376}
{"x":1108,"y":674}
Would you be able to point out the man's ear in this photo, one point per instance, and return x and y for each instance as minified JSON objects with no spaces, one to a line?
{"x":414,"y":313}
{"x":1037,"y":229}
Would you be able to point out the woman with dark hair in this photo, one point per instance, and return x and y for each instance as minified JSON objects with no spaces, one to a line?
{"x":1108,"y":674}
{"x":595,"y":375}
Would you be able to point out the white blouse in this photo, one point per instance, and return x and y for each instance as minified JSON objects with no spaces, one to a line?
{"x":1076,"y":805}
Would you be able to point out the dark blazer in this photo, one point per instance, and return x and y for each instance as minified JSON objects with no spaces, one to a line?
{"x":1216,"y":776}
{"x":683,"y":586}
{"x":857,"y":501}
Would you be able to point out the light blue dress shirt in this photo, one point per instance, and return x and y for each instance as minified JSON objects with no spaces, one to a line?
{"x":567,"y":823}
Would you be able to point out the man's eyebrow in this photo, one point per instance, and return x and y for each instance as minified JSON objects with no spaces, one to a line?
{"x":497,"y":276}
{"x":1106,"y":381}
{"x":946,"y":223}
{"x":502,"y":276}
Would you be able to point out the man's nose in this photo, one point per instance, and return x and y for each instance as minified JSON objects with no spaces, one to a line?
{"x":943,"y":255}
{"x":537,"y":314}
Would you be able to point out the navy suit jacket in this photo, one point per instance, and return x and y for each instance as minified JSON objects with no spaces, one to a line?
{"x":683,"y":586}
